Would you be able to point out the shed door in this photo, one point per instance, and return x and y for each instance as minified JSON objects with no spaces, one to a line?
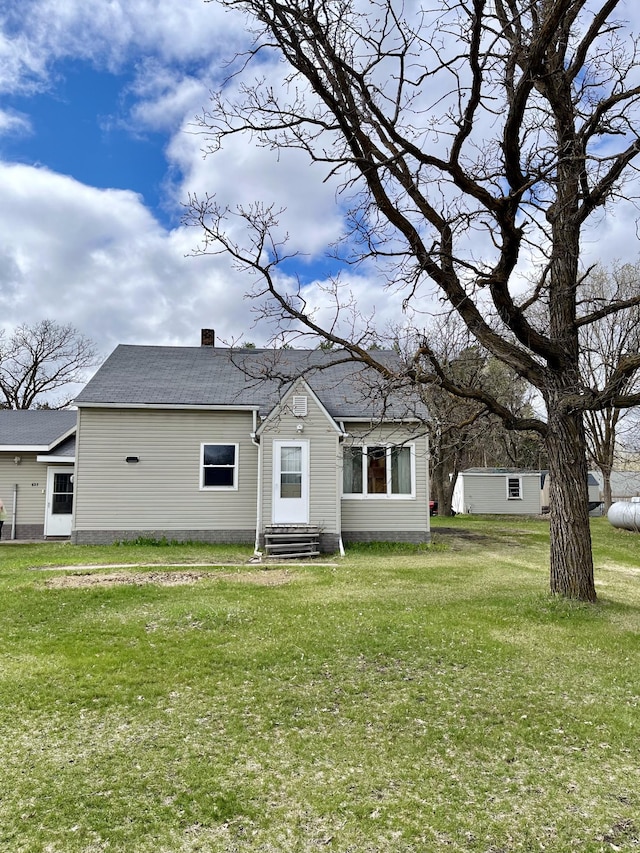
{"x":290,"y":482}
{"x":59,"y":502}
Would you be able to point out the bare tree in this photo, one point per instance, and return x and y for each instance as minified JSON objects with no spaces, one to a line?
{"x":464,"y":432}
{"x":603,"y":345}
{"x":40,"y":359}
{"x":474,"y":141}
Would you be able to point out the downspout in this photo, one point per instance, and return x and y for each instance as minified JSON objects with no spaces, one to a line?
{"x":428,"y":481}
{"x":256,"y":546}
{"x":344,"y":435}
{"x":14,"y":512}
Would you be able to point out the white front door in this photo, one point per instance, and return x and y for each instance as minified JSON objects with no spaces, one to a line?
{"x":290,"y":482}
{"x":59,"y":502}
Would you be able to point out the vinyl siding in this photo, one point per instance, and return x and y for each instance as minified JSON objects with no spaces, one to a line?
{"x":487,"y":494}
{"x":31,"y":479}
{"x":383,"y":513}
{"x":162,"y":491}
{"x":325,"y":471}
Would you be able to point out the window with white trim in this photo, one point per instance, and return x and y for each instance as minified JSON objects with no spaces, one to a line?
{"x":514,"y":488}
{"x":219,"y":466}
{"x":379,"y":471}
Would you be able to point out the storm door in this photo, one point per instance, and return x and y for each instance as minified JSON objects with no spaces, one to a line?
{"x":290,"y":482}
{"x":59,"y":502}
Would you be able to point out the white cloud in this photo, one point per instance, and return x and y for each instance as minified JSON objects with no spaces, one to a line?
{"x":39,"y":32}
{"x":243,"y":172}
{"x":13,"y":123}
{"x":99,"y":260}
{"x":165,"y":98}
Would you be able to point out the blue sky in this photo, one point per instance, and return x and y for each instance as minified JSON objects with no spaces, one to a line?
{"x":79,"y":127}
{"x":98,"y":154}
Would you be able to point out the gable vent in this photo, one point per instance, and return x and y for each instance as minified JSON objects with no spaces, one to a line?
{"x":299,"y":407}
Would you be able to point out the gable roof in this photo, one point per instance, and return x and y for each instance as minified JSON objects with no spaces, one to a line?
{"x":63,"y":452}
{"x":213,"y":377}
{"x":35,"y":429}
{"x":297,"y":388}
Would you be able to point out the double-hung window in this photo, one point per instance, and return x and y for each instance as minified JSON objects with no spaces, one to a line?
{"x":379,"y":471}
{"x":219,"y":466}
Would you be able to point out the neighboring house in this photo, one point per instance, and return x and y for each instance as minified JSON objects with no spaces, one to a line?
{"x":498,"y":491}
{"x":625,"y":485}
{"x":37,"y":454}
{"x":221,"y":445}
{"x":594,"y":488}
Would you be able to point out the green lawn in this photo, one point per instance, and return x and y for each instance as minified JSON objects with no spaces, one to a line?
{"x":401,"y":699}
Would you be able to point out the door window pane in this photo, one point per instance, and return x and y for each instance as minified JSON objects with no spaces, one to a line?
{"x":62,"y":497}
{"x":290,"y":472}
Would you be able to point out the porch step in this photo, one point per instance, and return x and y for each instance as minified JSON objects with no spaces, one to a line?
{"x":291,"y":541}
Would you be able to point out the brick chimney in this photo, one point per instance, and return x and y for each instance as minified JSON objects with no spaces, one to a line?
{"x":207,"y":337}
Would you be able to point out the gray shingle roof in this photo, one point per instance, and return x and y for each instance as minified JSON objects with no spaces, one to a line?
{"x":67,"y":448}
{"x":212,"y":376}
{"x":40,"y":428}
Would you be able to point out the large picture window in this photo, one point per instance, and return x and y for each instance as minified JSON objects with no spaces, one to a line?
{"x":378,"y":471}
{"x":219,"y":466}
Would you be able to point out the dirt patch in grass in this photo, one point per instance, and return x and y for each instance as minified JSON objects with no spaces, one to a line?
{"x":458,"y":539}
{"x":83,"y":580}
{"x":460,"y":533}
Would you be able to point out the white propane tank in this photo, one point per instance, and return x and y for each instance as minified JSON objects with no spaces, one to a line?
{"x":625,"y":514}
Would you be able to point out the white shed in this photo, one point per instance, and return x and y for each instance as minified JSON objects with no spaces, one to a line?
{"x":499,"y":491}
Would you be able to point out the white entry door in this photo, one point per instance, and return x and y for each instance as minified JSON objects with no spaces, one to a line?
{"x":59,"y":502}
{"x":290,"y":482}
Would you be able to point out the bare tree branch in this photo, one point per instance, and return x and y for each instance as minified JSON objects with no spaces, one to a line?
{"x":473,"y":141}
{"x":38,"y":360}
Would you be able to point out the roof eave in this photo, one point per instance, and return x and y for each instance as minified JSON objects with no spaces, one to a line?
{"x":169,"y":406}
{"x":68,"y":460}
{"x":371,"y":419}
{"x":25,"y":448}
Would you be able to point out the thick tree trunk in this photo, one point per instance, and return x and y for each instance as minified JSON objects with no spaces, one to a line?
{"x":571,"y":560}
{"x":571,"y":557}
